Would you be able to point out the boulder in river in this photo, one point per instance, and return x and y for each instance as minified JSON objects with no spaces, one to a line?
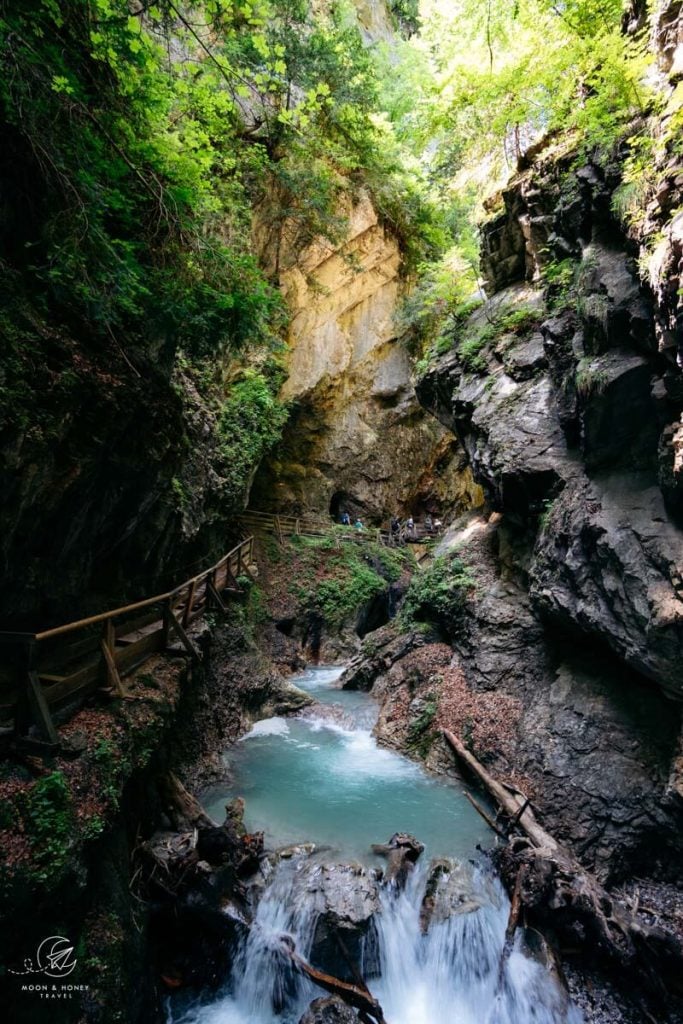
{"x":329,"y":1010}
{"x":346,"y":898}
{"x":448,"y":891}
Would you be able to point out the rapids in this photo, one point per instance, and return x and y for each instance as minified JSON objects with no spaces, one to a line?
{"x":322,"y":778}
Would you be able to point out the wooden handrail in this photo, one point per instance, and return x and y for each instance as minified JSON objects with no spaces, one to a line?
{"x":302,"y":526}
{"x":92,"y":620}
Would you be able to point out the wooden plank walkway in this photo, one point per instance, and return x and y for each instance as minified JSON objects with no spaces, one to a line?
{"x":45,"y":671}
{"x":312,"y":526}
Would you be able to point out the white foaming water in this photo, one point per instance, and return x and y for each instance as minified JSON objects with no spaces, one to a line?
{"x":450,"y":975}
{"x":323,"y":778}
{"x":268,"y":727}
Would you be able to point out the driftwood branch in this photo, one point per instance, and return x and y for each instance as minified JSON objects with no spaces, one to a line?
{"x":561,"y":895}
{"x":357,"y":996}
{"x":487,"y":818}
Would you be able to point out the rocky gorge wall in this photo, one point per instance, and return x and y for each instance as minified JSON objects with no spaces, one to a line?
{"x":565,"y":393}
{"x":357,"y":437}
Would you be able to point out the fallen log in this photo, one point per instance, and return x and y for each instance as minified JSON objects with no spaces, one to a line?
{"x":357,"y":996}
{"x":509,"y":799}
{"x":487,"y":818}
{"x":562,"y":896}
{"x":184,"y":810}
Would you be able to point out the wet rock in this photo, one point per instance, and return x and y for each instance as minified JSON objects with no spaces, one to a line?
{"x":526,"y":359}
{"x":285,"y":699}
{"x":448,"y":891}
{"x":608,"y":564}
{"x":301,"y":850}
{"x":607,"y":386}
{"x":329,"y":1010}
{"x":600,"y":743}
{"x":511,"y":431}
{"x":616,"y":313}
{"x":378,"y":653}
{"x":670,"y":458}
{"x":345,"y":900}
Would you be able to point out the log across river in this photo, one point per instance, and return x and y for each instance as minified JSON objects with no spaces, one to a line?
{"x":321,"y":778}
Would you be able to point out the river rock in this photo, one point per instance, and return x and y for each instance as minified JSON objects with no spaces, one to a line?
{"x":448,"y":891}
{"x":378,"y":653}
{"x":345,"y":900}
{"x":329,"y":1010}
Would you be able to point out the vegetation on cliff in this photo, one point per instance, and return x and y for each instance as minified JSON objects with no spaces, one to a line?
{"x":165,"y":161}
{"x":481,"y":84}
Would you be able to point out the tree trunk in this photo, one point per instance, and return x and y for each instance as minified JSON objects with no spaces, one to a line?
{"x":560,"y":895}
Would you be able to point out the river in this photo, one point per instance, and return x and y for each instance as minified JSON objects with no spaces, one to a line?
{"x":322,"y":778}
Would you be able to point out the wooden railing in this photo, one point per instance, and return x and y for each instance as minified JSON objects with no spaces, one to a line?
{"x":59,"y":666}
{"x":313,"y":526}
{"x":310,"y":526}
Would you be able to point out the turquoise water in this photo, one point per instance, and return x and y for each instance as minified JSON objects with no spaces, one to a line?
{"x":324,"y":779}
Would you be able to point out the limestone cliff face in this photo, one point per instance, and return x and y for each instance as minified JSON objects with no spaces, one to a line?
{"x":357,"y":436}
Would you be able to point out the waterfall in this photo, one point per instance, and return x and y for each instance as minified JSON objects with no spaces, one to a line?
{"x":449,"y":974}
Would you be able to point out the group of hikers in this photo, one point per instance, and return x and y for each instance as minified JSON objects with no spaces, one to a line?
{"x":408,"y":530}
{"x":345,"y":520}
{"x":411,"y":529}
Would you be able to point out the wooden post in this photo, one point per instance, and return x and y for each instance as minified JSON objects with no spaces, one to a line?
{"x":108,"y":645}
{"x":184,"y":638}
{"x":215,"y":596}
{"x":190,"y":602}
{"x":239,"y":561}
{"x":23,"y":712}
{"x":167,"y":623}
{"x":37,"y":702}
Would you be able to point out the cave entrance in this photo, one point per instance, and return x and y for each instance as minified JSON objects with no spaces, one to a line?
{"x":342,"y":501}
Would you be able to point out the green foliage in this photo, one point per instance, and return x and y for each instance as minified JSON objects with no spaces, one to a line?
{"x":139,"y":140}
{"x":250,"y":422}
{"x":439,"y":305}
{"x":407,"y":15}
{"x":485,"y":81}
{"x":545,"y":515}
{"x":472,"y":347}
{"x":340,"y":598}
{"x":111,"y":767}
{"x":590,"y":379}
{"x":560,"y":277}
{"x":438,"y":594}
{"x":137,"y":194}
{"x":520,"y":321}
{"x":49,"y":824}
{"x":337,"y":578}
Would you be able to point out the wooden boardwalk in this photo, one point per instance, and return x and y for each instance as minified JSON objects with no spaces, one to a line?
{"x":50,"y":670}
{"x":312,"y":526}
